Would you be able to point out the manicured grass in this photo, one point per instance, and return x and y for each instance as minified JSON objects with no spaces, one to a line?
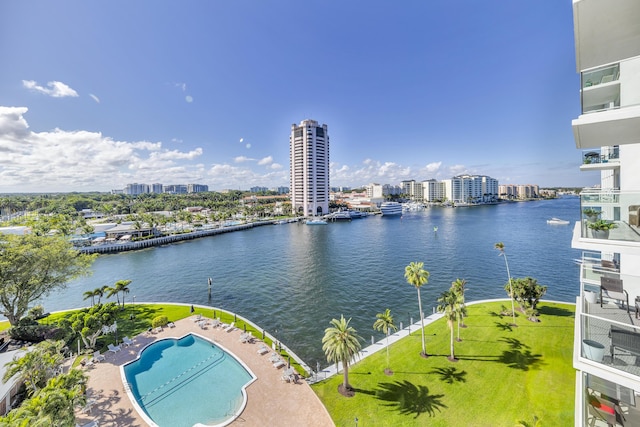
{"x":503,"y":375}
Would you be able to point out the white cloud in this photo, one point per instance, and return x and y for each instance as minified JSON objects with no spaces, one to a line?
{"x":61,"y":160}
{"x":242,"y":159}
{"x":275,"y":166}
{"x":265,"y":161}
{"x":55,"y":89}
{"x":189,"y":99}
{"x":248,"y":146}
{"x":95,"y":98}
{"x":433,"y":167}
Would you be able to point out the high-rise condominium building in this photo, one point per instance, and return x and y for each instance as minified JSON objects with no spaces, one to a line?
{"x":607,"y":329}
{"x":309,"y":168}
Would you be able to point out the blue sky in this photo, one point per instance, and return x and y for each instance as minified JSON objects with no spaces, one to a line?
{"x":95,"y":95}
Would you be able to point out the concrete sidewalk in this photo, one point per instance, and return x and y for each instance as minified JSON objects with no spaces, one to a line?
{"x":334,"y":369}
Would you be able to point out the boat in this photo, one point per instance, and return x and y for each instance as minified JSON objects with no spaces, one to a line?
{"x":557,"y":221}
{"x":355,"y":214}
{"x":391,"y":208}
{"x":316,"y":221}
{"x":339,"y":216}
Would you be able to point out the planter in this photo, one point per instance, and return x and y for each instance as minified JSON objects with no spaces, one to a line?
{"x":590,"y":297}
{"x":593,"y":350}
{"x":600,"y":234}
{"x":592,"y":218}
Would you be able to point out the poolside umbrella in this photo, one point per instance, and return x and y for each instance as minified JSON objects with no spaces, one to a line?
{"x":245,"y":327}
{"x":288,"y":362}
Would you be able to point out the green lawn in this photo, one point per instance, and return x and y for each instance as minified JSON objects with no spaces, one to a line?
{"x":503,"y":375}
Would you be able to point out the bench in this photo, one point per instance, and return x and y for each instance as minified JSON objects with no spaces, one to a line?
{"x":624,"y":339}
{"x":612,"y":288}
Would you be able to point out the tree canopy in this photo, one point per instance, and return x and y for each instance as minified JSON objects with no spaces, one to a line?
{"x":33,"y":266}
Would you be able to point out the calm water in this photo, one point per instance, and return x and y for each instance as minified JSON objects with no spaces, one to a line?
{"x":293,"y":279}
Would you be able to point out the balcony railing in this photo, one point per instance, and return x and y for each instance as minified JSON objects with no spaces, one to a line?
{"x":621,"y":210}
{"x":601,"y":89}
{"x":605,"y":155}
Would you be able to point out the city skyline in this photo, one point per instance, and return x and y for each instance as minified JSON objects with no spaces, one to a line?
{"x":96,"y":98}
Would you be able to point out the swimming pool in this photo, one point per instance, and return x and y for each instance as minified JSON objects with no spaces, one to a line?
{"x":187,"y":381}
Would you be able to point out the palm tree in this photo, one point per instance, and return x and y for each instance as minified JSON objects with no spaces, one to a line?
{"x":120,"y":286}
{"x":99,"y":292}
{"x":458,"y":287}
{"x":451,"y":307}
{"x":417,"y":276}
{"x":87,"y":295}
{"x":384,"y":323}
{"x":500,"y":246}
{"x":341,"y":343}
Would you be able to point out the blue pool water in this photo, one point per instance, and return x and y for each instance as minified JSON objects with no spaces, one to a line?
{"x":186,"y":381}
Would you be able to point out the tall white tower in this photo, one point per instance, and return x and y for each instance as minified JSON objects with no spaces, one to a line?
{"x":309,"y":168}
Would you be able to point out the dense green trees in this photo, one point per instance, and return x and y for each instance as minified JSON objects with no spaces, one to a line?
{"x":32,"y":266}
{"x":88,"y":324}
{"x":340,"y":344}
{"x":527,"y":292}
{"x":52,"y":396}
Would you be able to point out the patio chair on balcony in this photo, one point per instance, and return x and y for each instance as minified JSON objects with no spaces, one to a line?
{"x":612,"y":288}
{"x":634,"y":215}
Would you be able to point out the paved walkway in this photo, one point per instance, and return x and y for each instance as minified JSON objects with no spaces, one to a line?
{"x":380,"y":345}
{"x":270,"y":400}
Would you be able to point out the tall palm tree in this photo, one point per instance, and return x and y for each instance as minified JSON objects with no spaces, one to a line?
{"x":341,"y":343}
{"x":451,"y":307}
{"x":120,"y":286}
{"x":459,"y":287}
{"x":99,"y":292}
{"x":89,"y":294}
{"x":384,"y":323}
{"x":417,"y":276}
{"x":500,"y":246}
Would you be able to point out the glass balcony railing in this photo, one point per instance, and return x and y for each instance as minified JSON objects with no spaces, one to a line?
{"x":610,"y":215}
{"x":605,"y":155}
{"x":607,"y":74}
{"x":601,"y":89}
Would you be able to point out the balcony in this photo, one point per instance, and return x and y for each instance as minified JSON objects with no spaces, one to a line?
{"x":620,"y":209}
{"x":605,"y":158}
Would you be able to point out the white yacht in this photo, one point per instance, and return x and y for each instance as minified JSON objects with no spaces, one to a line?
{"x":391,"y":208}
{"x":557,"y":221}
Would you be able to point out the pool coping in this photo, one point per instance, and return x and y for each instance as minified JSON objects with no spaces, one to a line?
{"x":143,"y":414}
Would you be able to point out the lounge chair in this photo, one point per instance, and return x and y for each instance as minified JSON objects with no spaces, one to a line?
{"x":97,"y":357}
{"x":202,"y":324}
{"x":171,"y":325}
{"x":279,"y":364}
{"x":198,"y":318}
{"x":263,"y":349}
{"x":231,"y":327}
{"x":114,"y":348}
{"x":274,"y":358}
{"x":127,"y":341}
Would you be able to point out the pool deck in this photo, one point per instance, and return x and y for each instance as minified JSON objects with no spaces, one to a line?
{"x":270,"y":400}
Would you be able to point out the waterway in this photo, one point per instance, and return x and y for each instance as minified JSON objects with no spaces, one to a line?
{"x":292,"y":279}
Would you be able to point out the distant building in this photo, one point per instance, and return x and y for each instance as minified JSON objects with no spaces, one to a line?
{"x":197,"y":188}
{"x":309,"y":168}
{"x":281,"y":190}
{"x":433,"y":191}
{"x":157,"y":188}
{"x":471,"y":189}
{"x":175,"y":189}
{"x":258,"y":189}
{"x":135,"y":189}
{"x":518,"y":191}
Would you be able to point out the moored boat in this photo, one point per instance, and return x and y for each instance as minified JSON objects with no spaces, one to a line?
{"x":391,"y":208}
{"x":315,"y":221}
{"x":557,"y":221}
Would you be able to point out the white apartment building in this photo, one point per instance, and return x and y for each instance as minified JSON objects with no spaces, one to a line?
{"x":134,"y":189}
{"x":433,"y":191}
{"x":471,"y":189}
{"x":518,"y":191}
{"x":607,"y":328}
{"x":309,"y":168}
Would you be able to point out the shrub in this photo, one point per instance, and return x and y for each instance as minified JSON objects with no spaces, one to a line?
{"x":159,"y":321}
